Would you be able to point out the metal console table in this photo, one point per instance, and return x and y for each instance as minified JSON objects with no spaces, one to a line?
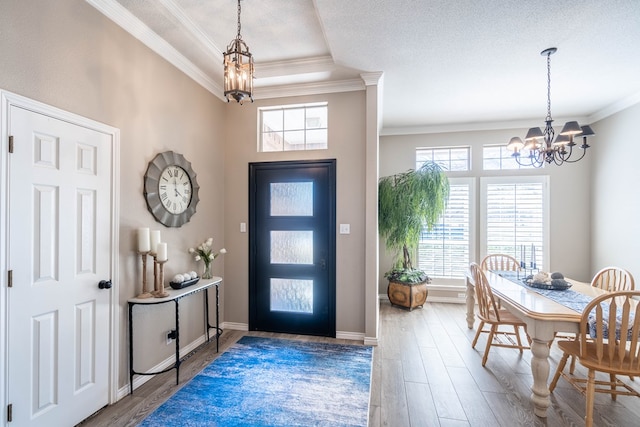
{"x":175,"y":295}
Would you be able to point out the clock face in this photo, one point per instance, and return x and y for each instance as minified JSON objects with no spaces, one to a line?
{"x":174,"y":189}
{"x":171,"y":189}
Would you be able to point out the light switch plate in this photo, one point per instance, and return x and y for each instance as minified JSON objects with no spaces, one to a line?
{"x":243,"y":227}
{"x":345,"y":228}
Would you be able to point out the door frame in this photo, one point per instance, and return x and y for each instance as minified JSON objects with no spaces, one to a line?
{"x":8,"y":100}
{"x":330,"y":164}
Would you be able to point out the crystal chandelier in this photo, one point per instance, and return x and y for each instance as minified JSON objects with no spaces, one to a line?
{"x":541,"y":145}
{"x":238,"y":68}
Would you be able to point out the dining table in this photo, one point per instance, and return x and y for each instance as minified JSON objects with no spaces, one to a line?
{"x":543,"y":315}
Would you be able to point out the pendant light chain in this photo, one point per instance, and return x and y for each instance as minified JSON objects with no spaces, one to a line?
{"x":549,"y":86}
{"x":239,"y":25}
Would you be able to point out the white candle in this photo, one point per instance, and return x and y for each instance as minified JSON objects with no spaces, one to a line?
{"x":162,"y":252}
{"x":155,"y":239}
{"x":143,"y":240}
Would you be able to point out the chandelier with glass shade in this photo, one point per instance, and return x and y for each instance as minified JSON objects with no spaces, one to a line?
{"x":540,"y":147}
{"x":238,"y":68}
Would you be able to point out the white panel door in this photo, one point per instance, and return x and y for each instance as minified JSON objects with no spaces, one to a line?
{"x":59,"y":251}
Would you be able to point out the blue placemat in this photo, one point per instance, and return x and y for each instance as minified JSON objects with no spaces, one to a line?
{"x":567,"y":297}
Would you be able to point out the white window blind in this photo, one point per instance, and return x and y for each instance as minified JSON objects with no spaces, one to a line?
{"x":515,"y":217}
{"x":444,"y":252}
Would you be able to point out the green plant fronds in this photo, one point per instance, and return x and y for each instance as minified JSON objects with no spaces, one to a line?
{"x":407,"y":201}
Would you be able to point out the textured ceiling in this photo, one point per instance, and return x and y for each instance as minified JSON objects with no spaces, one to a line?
{"x":446,"y":63}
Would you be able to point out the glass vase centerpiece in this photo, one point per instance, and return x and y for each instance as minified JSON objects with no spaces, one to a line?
{"x":205,"y":253}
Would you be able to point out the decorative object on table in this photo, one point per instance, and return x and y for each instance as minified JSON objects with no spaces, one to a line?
{"x":407,"y":202}
{"x":544,"y":280}
{"x":540,"y":145}
{"x":161,"y":259}
{"x":171,"y":189}
{"x":155,"y":240}
{"x":206,"y":254}
{"x":184,"y":280}
{"x":282,"y":383}
{"x":144,"y":246}
{"x":530,"y":267}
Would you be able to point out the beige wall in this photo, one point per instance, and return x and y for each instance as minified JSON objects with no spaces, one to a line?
{"x":569,"y":198}
{"x":67,"y":54}
{"x":616,"y":198}
{"x":346,"y":145}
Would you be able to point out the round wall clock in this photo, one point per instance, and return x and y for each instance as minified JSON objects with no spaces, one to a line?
{"x":171,"y":189}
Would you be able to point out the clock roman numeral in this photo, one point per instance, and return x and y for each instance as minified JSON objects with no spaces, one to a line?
{"x":164,"y":196}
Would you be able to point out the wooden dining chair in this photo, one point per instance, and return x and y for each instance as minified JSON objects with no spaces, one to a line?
{"x":500,"y":262}
{"x":601,"y":349}
{"x":490,"y":314}
{"x":610,"y":279}
{"x":613,"y":279}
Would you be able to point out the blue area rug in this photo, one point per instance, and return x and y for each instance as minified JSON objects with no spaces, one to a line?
{"x":275,"y":382}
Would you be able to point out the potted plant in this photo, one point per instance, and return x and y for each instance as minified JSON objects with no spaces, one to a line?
{"x":407,"y":202}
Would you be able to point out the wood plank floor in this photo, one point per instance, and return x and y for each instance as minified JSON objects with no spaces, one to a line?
{"x":425,"y":373}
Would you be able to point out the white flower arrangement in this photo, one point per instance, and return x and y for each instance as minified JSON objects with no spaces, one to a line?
{"x":206,"y":254}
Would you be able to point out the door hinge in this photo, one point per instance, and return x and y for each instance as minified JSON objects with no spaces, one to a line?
{"x":10,"y":278}
{"x":10,"y":143}
{"x":10,"y":412}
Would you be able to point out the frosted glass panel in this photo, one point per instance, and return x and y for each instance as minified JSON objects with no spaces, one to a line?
{"x":292,"y":295}
{"x":292,"y":198}
{"x":291,"y":247}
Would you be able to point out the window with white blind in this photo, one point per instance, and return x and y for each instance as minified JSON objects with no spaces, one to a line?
{"x":445,"y":251}
{"x":515,"y":216}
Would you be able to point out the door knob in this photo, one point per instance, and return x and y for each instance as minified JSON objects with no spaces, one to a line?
{"x":104,"y":284}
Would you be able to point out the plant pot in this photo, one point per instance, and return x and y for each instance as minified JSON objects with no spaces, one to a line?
{"x":407,"y":295}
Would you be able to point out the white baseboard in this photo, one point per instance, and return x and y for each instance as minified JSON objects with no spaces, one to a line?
{"x":169,"y":361}
{"x":354,"y":336}
{"x":371,"y":341}
{"x":235,"y":326}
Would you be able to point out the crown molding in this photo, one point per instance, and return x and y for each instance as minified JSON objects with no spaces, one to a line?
{"x":472,"y":127}
{"x":372,"y":78}
{"x":308,"y":89}
{"x":296,"y":66}
{"x":616,"y":107}
{"x":127,"y":21}
{"x":178,"y":13}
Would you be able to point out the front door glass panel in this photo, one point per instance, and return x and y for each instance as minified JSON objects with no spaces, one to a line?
{"x":292,"y":198}
{"x":292,"y":295}
{"x":292,"y":247}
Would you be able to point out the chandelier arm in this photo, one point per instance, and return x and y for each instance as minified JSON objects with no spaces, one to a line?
{"x":566,"y":160}
{"x":535,"y":160}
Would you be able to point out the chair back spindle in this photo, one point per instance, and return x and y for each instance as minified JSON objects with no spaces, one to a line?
{"x":613,"y":279}
{"x":500,"y":262}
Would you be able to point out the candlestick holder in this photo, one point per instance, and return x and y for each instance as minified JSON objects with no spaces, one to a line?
{"x":155,"y":275}
{"x":145,"y":292}
{"x":161,"y":293}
